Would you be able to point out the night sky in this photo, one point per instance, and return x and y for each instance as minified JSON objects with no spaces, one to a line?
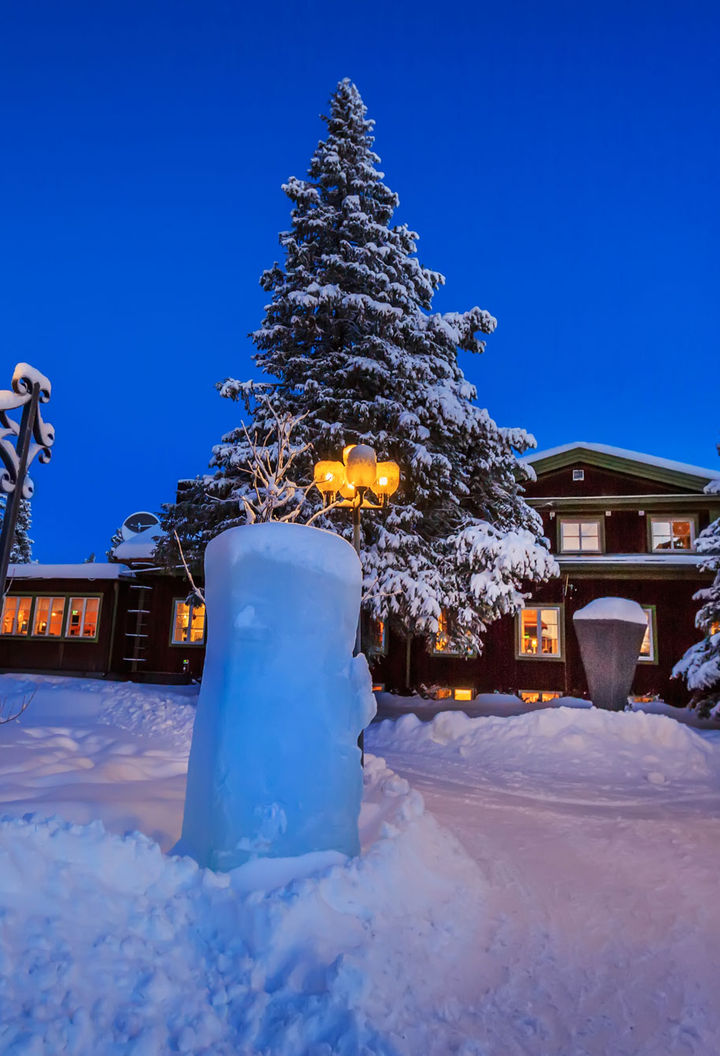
{"x":559,"y":160}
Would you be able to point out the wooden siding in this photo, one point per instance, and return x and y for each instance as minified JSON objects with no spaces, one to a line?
{"x":597,"y":482}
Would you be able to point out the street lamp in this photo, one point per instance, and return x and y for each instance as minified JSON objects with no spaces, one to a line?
{"x":358,"y":477}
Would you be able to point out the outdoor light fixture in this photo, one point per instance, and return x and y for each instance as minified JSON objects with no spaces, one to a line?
{"x":357,"y":474}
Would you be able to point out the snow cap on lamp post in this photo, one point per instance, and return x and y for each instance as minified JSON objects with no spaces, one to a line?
{"x":361,"y":466}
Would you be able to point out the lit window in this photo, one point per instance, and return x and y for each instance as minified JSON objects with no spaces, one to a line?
{"x":16,"y":615}
{"x":669,"y":534}
{"x":647,"y":649}
{"x":581,"y":536}
{"x":537,"y":696}
{"x":539,"y":632}
{"x":463,"y":694}
{"x":443,"y":693}
{"x":82,"y":618}
{"x":442,"y":644}
{"x":376,"y":637}
{"x":48,"y":618}
{"x":188,"y":623}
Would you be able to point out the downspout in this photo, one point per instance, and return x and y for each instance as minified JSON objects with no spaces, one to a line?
{"x":113,"y":625}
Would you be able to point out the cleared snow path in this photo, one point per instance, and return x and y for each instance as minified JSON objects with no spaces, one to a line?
{"x":599,"y":836}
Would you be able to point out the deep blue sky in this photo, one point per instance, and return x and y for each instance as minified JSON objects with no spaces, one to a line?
{"x":559,"y":160}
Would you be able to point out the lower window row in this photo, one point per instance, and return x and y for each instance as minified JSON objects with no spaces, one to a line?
{"x":539,"y":634}
{"x":51,"y":617}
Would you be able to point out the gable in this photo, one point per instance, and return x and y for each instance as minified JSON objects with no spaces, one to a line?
{"x":611,"y":471}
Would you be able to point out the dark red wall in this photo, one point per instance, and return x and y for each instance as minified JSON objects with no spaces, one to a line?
{"x":597,"y":482}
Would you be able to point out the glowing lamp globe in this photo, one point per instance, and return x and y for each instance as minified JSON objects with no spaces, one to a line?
{"x":329,"y":477}
{"x":388,"y":479}
{"x":361,"y":466}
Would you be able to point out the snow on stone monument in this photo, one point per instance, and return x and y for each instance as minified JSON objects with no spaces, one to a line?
{"x":610,"y":632}
{"x":274,"y":767}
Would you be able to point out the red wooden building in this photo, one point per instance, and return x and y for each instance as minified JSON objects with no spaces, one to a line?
{"x":620,"y":523}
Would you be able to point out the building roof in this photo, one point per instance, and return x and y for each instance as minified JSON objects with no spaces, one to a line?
{"x":140,"y":547}
{"x":88,"y":570}
{"x":623,"y":460}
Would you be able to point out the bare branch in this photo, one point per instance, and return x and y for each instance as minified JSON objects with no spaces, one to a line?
{"x":196,"y":589}
{"x":26,"y":700}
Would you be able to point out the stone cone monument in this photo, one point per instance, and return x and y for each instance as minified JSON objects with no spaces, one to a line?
{"x":275,"y":770}
{"x":610,"y":632}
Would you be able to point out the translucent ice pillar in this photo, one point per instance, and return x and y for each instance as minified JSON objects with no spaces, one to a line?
{"x":274,"y":764}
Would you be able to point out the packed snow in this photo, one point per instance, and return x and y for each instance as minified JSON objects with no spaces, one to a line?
{"x":612,"y":609}
{"x":539,"y":884}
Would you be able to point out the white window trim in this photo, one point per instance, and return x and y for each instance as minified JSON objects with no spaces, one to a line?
{"x":659,"y":518}
{"x":652,"y":658}
{"x":192,"y":604}
{"x":520,"y":655}
{"x":598,"y":520}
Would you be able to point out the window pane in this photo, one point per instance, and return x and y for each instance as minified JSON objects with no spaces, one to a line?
{"x":647,"y":648}
{"x":549,"y":632}
{"x":92,"y":607}
{"x":590,"y":536}
{"x":441,"y":638}
{"x":75,"y":617}
{"x":529,"y":631}
{"x":661,"y":535}
{"x":57,"y":610}
{"x":16,"y":615}
{"x":682,"y":535}
{"x":181,"y":622}
{"x":42,"y":610}
{"x":570,"y":535}
{"x":197,"y":623}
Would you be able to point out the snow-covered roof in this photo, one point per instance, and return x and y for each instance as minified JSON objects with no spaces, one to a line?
{"x":581,"y":446}
{"x":666,"y":560}
{"x":87,"y":570}
{"x":140,"y":547}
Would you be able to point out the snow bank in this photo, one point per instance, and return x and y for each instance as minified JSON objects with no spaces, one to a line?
{"x":109,"y":946}
{"x":570,"y":753}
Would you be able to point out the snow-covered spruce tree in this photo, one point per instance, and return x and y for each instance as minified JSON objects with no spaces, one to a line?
{"x":700,"y":667}
{"x":21,"y":550}
{"x":349,"y":343}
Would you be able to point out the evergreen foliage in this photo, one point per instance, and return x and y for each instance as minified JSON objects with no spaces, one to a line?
{"x":700,"y":666}
{"x":351,"y":347}
{"x":21,"y":550}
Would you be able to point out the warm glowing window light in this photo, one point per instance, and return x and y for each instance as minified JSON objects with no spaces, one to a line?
{"x":49,"y":614}
{"x":82,"y":618}
{"x":463,"y":694}
{"x":16,"y":615}
{"x":443,"y":693}
{"x":188,"y":623}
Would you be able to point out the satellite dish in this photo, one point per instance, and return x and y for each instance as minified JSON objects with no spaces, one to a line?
{"x":137,"y":522}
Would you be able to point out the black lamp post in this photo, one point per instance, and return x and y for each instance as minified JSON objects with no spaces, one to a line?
{"x":32,"y":438}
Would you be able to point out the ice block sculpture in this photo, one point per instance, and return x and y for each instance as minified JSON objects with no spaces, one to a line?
{"x":610,"y":632}
{"x":274,"y":767}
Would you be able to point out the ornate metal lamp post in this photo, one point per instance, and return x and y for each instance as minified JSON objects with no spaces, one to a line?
{"x":33,"y":438}
{"x":358,"y":475}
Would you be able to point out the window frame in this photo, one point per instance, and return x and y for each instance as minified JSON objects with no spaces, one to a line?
{"x":652,"y":624}
{"x":51,"y":598}
{"x":581,"y":519}
{"x":456,"y":653}
{"x":544,"y":695}
{"x":187,"y":645}
{"x":35,"y":596}
{"x":551,"y":658}
{"x":369,"y":640}
{"x":20,"y":597}
{"x":692,"y":519}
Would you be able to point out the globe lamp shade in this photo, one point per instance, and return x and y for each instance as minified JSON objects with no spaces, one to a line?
{"x":329,"y":477}
{"x":388,"y":479}
{"x":361,"y":466}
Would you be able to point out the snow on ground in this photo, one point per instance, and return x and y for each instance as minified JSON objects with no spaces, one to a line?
{"x":555,"y":897}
